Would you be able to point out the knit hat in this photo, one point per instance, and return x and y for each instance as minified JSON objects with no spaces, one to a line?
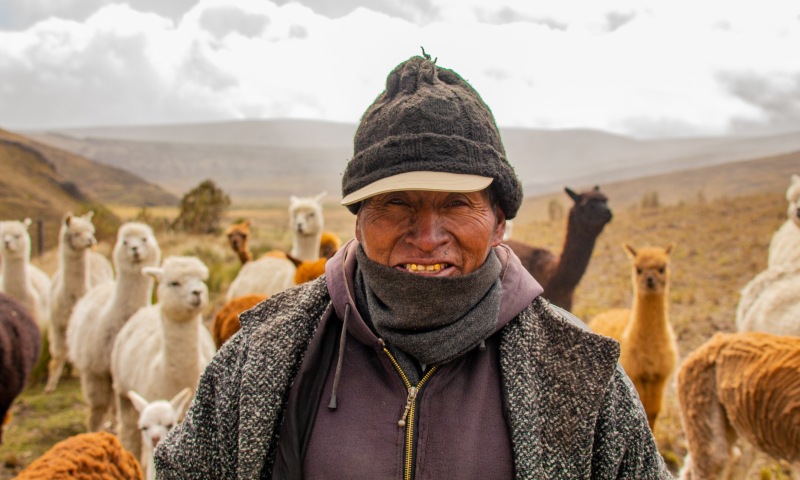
{"x":429,"y":130}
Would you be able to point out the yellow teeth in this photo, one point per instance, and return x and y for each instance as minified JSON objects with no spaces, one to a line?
{"x":413,"y":267}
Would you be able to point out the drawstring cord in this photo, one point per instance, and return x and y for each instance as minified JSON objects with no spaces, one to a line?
{"x":332,"y":404}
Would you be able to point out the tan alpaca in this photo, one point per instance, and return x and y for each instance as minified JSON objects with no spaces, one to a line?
{"x":739,"y":386}
{"x":238,"y":235}
{"x":649,"y":352}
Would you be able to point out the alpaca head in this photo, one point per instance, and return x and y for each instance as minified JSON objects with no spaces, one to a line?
{"x":650,"y":272}
{"x":16,"y":239}
{"x":793,"y":196}
{"x":158,"y":417}
{"x":590,"y":213}
{"x":136,"y":248}
{"x":77,"y":232}
{"x":182,"y":291}
{"x":237,"y":234}
{"x":305,"y":214}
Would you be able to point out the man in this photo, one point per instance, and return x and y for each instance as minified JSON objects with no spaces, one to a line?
{"x":425,"y":351}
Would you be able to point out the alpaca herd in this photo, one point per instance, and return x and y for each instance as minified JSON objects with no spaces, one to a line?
{"x":139,"y":362}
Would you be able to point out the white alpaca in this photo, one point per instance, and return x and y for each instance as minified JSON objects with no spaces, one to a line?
{"x":770,"y":302}
{"x":306,"y":222}
{"x":164,"y":347}
{"x":785,"y":245}
{"x":156,"y":420}
{"x":21,"y":280}
{"x":76,"y":274}
{"x":265,"y":276}
{"x":101,"y":313}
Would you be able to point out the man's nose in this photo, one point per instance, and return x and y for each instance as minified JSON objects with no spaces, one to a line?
{"x":427,"y":233}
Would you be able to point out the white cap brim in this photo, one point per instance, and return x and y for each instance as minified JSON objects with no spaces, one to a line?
{"x":430,"y":181}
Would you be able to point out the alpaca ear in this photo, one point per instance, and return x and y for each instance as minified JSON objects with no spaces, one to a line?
{"x":88,"y":215}
{"x":246,"y":223}
{"x":27,"y":222}
{"x":293,"y":199}
{"x":180,"y":402}
{"x":139,"y":401}
{"x":67,"y":218}
{"x":629,"y":250}
{"x":669,"y":248}
{"x":294,"y":260}
{"x":795,"y":178}
{"x":574,"y":196}
{"x":319,"y":197}
{"x":155,"y":272}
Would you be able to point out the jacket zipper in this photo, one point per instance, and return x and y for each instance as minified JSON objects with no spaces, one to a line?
{"x":407,"y":420}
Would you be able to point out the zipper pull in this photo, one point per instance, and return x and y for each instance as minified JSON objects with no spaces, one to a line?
{"x":412,"y":394}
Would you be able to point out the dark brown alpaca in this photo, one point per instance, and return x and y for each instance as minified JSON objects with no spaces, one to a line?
{"x":560,"y":276}
{"x":20,"y":346}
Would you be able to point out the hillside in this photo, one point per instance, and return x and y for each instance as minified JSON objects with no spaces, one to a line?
{"x":258,"y":160}
{"x":95,"y":180}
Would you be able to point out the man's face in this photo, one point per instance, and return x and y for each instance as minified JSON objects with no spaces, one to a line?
{"x":430,"y":233}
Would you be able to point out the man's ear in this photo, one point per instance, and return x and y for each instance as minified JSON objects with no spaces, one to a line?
{"x":499,"y":228}
{"x":358,"y":226}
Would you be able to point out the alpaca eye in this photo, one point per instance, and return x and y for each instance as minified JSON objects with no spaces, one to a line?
{"x":662,"y":270}
{"x":638,"y":271}
{"x":174,"y":284}
{"x":124,"y":242}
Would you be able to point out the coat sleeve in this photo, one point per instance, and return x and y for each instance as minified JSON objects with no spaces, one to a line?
{"x":203,"y":445}
{"x":624,"y":445}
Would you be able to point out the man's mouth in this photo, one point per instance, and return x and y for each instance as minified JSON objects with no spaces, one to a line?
{"x":416,"y":267}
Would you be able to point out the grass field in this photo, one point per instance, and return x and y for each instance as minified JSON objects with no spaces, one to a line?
{"x":720,"y":245}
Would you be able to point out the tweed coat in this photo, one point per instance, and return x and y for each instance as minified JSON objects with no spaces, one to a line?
{"x":572,"y":412}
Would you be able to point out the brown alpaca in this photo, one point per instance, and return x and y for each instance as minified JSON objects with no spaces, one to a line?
{"x":238,"y":235}
{"x":559,"y":276}
{"x":86,"y":456}
{"x":20,"y":346}
{"x":648,"y":351}
{"x":739,"y":385}
{"x":226,"y":321}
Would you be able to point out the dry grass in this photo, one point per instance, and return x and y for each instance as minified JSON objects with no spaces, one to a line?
{"x":720,"y":245}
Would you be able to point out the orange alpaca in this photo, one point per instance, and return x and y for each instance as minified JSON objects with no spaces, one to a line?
{"x":649,"y":352}
{"x":238,"y":235}
{"x":86,"y":456}
{"x":226,"y":321}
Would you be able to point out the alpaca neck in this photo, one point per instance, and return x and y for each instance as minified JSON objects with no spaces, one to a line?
{"x":181,"y":349}
{"x":74,"y":272}
{"x":150,"y":469}
{"x":133,"y":291}
{"x":575,"y":255}
{"x":15,"y":279}
{"x":244,"y":255}
{"x":650,"y":317}
{"x":306,"y":247}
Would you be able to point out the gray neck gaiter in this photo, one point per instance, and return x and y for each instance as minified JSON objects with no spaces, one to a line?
{"x":433,"y":319}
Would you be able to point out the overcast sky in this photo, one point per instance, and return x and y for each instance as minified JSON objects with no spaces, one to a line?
{"x":646,"y":68}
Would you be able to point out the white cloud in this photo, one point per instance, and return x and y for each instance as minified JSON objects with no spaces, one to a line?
{"x":641,"y":67}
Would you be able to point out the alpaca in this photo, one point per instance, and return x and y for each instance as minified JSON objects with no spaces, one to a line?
{"x":22,"y":280}
{"x":770,"y":302}
{"x":156,"y":420}
{"x":226,"y":321}
{"x":306,"y":222}
{"x":238,"y":235}
{"x":739,"y":385}
{"x":785,"y":245}
{"x":20,"y":345}
{"x":101,"y":313}
{"x":559,"y":276}
{"x":163,"y":348}
{"x":86,"y":456}
{"x":266,"y":276}
{"x":329,"y":244}
{"x":648,"y":352}
{"x":75,"y":276}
